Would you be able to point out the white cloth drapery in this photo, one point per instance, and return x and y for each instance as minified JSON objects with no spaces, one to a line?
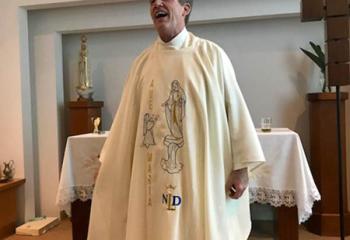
{"x":285,"y":178}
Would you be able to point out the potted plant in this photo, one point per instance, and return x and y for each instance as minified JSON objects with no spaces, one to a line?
{"x":318,"y":58}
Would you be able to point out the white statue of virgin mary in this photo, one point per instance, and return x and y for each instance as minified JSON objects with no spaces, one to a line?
{"x":85,"y":89}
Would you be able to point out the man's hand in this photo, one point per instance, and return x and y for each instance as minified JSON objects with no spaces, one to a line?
{"x":237,"y":182}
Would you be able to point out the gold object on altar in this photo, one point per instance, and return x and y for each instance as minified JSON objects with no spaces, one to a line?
{"x":96,"y":122}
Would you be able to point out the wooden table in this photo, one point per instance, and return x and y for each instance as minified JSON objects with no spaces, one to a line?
{"x":8,"y":208}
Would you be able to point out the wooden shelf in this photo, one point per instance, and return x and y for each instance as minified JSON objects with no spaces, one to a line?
{"x":8,"y":206}
{"x":315,"y":97}
{"x":11,"y":184}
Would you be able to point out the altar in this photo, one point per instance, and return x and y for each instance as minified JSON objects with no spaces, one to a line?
{"x":284,"y":181}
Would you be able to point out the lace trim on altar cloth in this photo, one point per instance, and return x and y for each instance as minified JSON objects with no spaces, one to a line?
{"x":83,"y":193}
{"x":276,"y":198}
{"x":71,"y":194}
{"x":305,"y":211}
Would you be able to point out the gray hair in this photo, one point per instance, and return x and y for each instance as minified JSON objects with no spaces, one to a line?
{"x":190,"y":2}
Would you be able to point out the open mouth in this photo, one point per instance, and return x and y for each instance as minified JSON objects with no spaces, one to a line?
{"x":161,"y":14}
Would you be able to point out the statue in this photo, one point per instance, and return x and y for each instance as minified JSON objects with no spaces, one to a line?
{"x":96,"y":122}
{"x":84,"y":89}
{"x":8,"y":170}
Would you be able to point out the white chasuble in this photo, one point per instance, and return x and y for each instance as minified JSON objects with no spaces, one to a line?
{"x":182,"y":126}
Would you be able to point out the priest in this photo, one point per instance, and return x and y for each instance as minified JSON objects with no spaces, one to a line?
{"x":176,"y":163}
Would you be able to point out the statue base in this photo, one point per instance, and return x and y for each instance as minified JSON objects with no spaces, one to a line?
{"x":85,"y":94}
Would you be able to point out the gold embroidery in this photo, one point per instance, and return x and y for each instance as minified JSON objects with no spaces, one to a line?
{"x":174,"y":108}
{"x":150,"y":100}
{"x":149,"y":179}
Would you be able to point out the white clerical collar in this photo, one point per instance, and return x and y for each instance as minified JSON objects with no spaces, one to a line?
{"x":178,"y":41}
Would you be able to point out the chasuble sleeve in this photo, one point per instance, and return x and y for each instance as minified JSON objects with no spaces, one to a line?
{"x":125,"y":119}
{"x":245,"y":146}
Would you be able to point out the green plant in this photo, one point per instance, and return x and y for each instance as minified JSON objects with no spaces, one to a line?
{"x":319,"y":59}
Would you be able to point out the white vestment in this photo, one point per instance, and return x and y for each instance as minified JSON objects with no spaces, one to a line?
{"x":182,"y":126}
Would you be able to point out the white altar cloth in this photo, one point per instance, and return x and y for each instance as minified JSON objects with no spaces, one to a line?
{"x":80,"y":165}
{"x":285,"y":178}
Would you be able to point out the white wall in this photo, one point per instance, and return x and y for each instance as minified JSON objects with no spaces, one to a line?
{"x":15,"y":140}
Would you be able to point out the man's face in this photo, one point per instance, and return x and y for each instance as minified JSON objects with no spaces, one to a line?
{"x":168,"y":16}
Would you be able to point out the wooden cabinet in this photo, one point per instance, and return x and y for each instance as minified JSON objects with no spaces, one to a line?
{"x":324,"y":163}
{"x":8,"y":207}
{"x":81,"y":115}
